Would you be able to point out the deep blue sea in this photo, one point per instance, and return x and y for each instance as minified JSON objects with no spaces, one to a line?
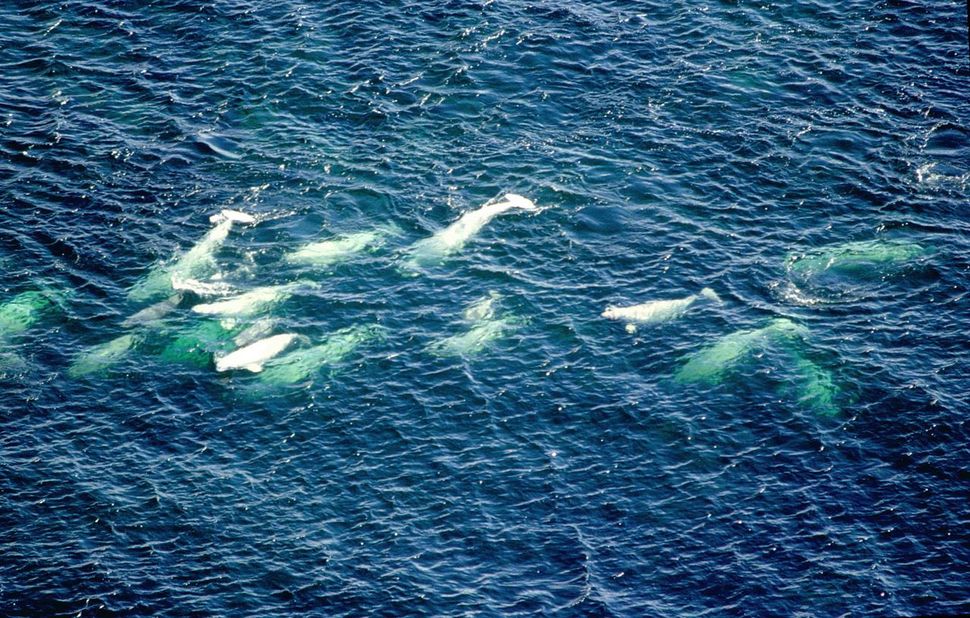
{"x":470,"y":435}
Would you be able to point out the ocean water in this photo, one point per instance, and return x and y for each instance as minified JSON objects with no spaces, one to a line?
{"x":800,"y":448}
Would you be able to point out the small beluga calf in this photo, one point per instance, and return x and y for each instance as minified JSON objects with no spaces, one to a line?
{"x":657,"y":311}
{"x":153,"y":313}
{"x":196,"y":263}
{"x":452,"y":239}
{"x":482,"y":309}
{"x":814,"y":386}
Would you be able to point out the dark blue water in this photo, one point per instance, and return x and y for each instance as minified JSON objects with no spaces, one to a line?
{"x":562,"y":468}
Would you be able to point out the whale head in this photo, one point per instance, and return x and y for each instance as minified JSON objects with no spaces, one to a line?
{"x":231,"y":215}
{"x":610,"y":313}
{"x":518,"y":201}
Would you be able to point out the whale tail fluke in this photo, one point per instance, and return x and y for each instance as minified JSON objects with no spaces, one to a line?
{"x":519,"y":201}
{"x":710,"y":294}
{"x":235,"y":216}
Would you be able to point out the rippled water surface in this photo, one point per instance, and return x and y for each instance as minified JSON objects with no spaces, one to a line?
{"x":800,"y":448}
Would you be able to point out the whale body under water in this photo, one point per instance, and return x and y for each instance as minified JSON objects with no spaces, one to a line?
{"x":300,"y":365}
{"x":710,"y":363}
{"x":339,"y":249}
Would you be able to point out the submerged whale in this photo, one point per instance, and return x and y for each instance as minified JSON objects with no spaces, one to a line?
{"x":451,"y":239}
{"x":476,"y":339}
{"x":24,"y":310}
{"x":856,"y":259}
{"x":482,"y":309}
{"x":198,"y":262}
{"x":486,"y":328}
{"x":339,"y":249}
{"x":253,"y":356}
{"x":198,"y":344}
{"x":656,"y":311}
{"x":815,"y":387}
{"x":101,"y":357}
{"x":300,"y":365}
{"x":710,"y":363}
{"x":11,"y":364}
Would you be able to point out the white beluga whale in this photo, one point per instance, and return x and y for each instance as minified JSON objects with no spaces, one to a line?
{"x":213,"y":287}
{"x":451,"y":239}
{"x":196,"y":263}
{"x":252,"y":302}
{"x":339,"y":249}
{"x":656,"y":311}
{"x":253,"y":356}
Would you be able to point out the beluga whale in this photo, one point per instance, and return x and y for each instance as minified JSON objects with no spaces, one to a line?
{"x":302,"y":364}
{"x":849,"y":271}
{"x":23,"y":310}
{"x":253,"y":302}
{"x":326,"y":253}
{"x":153,"y":313}
{"x":711,"y":363}
{"x":196,"y":263}
{"x":253,"y":356}
{"x":656,"y":311}
{"x":99,"y":358}
{"x":434,"y":249}
{"x":485,"y":327}
{"x":862,"y":259}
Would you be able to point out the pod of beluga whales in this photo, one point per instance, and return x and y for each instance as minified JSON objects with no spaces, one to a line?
{"x":844,"y":265}
{"x":235,"y":330}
